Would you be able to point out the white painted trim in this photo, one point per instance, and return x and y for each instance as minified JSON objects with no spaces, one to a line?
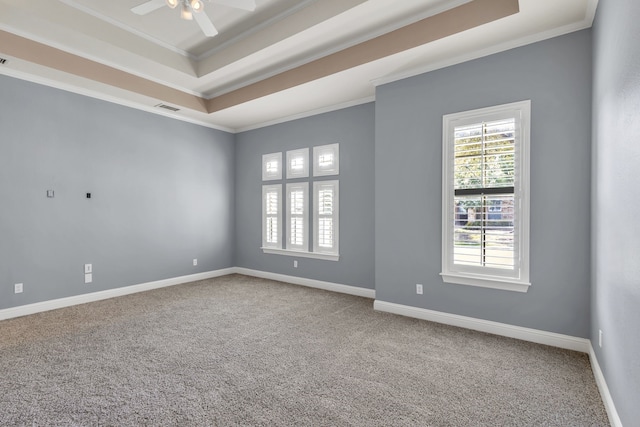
{"x":39,"y":307}
{"x":526,"y":334}
{"x":309,"y":113}
{"x":311,"y":283}
{"x":614,"y":418}
{"x":128,"y":28}
{"x":300,"y":254}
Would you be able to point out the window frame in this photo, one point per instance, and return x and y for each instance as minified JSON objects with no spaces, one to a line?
{"x":295,"y":186}
{"x":321,"y":149}
{"x":268,"y":175}
{"x":335,"y":184}
{"x":292,"y":173}
{"x":518,"y":278}
{"x":265,"y":190}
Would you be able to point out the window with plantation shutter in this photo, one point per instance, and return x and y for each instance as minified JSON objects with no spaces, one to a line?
{"x":325,"y":217}
{"x":297,"y":214}
{"x":271,"y":216}
{"x":486,"y":197}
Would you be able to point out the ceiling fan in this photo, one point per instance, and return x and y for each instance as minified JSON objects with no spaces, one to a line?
{"x":194,"y":9}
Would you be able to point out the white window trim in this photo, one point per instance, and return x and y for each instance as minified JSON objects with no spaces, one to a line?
{"x":317,"y":151}
{"x":266,"y":189}
{"x":304,"y":186}
{"x":496,"y":281}
{"x":336,"y":216}
{"x":301,"y":254}
{"x":304,"y":173}
{"x":269,"y":176}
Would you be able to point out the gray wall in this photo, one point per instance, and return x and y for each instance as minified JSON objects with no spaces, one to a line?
{"x":616,"y":202}
{"x":353,"y":128}
{"x":163,"y":193}
{"x":556,"y":76}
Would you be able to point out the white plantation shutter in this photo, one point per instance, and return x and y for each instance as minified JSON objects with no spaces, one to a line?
{"x":298,"y":163}
{"x":272,"y":216}
{"x":326,"y":160}
{"x":297,"y":213}
{"x":485,"y":197}
{"x":271,"y":166}
{"x":325,"y":216}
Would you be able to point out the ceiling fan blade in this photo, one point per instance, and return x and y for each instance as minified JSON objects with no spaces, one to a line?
{"x":249,"y":5}
{"x":148,"y":7}
{"x":205,"y":24}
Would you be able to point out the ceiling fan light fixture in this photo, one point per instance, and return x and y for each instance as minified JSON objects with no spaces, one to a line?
{"x":197,"y":6}
{"x":172,"y":3}
{"x":185,"y":13}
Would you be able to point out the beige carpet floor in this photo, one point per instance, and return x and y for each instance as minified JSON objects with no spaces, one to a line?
{"x":241,"y":351}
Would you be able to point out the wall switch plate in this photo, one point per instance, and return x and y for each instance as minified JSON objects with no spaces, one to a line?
{"x":50,"y":193}
{"x":88,"y":268}
{"x":195,"y":261}
{"x":295,"y":263}
{"x":600,"y":337}
{"x":17,"y":288}
{"x":88,"y":278}
{"x":418,"y":289}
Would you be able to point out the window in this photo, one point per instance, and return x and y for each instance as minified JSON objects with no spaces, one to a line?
{"x":272,"y":166}
{"x":325,"y":217}
{"x":306,"y":234}
{"x":325,"y":160}
{"x":298,"y":163}
{"x":297,"y":202}
{"x":485,"y":211}
{"x":271,"y":216}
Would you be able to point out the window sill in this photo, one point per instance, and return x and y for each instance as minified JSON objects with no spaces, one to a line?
{"x":301,"y":254}
{"x":486,"y":282}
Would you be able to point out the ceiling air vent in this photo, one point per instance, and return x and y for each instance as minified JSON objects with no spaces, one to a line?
{"x":167,"y":107}
{"x":3,"y":61}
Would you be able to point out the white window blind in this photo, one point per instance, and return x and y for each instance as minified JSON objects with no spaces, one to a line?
{"x":325,"y":216}
{"x":297,"y":212}
{"x":271,"y":216}
{"x":485,"y":197}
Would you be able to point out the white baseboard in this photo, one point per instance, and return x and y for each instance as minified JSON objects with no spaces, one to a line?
{"x":39,"y":307}
{"x":614,"y":418}
{"x":503,"y":329}
{"x":327,"y":286}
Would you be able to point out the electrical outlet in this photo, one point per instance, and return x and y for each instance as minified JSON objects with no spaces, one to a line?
{"x":195,"y":261}
{"x":88,"y":268}
{"x":419,"y":289}
{"x":600,"y":337}
{"x":17,"y":288}
{"x":295,"y":263}
{"x":88,"y":278}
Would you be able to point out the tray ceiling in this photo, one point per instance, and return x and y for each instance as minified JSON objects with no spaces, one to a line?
{"x":285,"y":59}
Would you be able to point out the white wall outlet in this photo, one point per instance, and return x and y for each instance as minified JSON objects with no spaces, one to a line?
{"x":88,"y":278}
{"x":88,"y":268}
{"x":195,"y":261}
{"x":17,"y":288}
{"x":418,"y":289}
{"x":600,"y":337}
{"x":295,"y":263}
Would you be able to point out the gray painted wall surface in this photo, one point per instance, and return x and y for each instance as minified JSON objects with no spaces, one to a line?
{"x":162,"y":194}
{"x":616,"y":202}
{"x":556,"y":76}
{"x":353,"y":128}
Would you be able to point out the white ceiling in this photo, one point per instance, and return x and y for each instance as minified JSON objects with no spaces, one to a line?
{"x":279,"y":35}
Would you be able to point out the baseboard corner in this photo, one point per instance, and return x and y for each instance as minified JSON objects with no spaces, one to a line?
{"x":605,"y":394}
